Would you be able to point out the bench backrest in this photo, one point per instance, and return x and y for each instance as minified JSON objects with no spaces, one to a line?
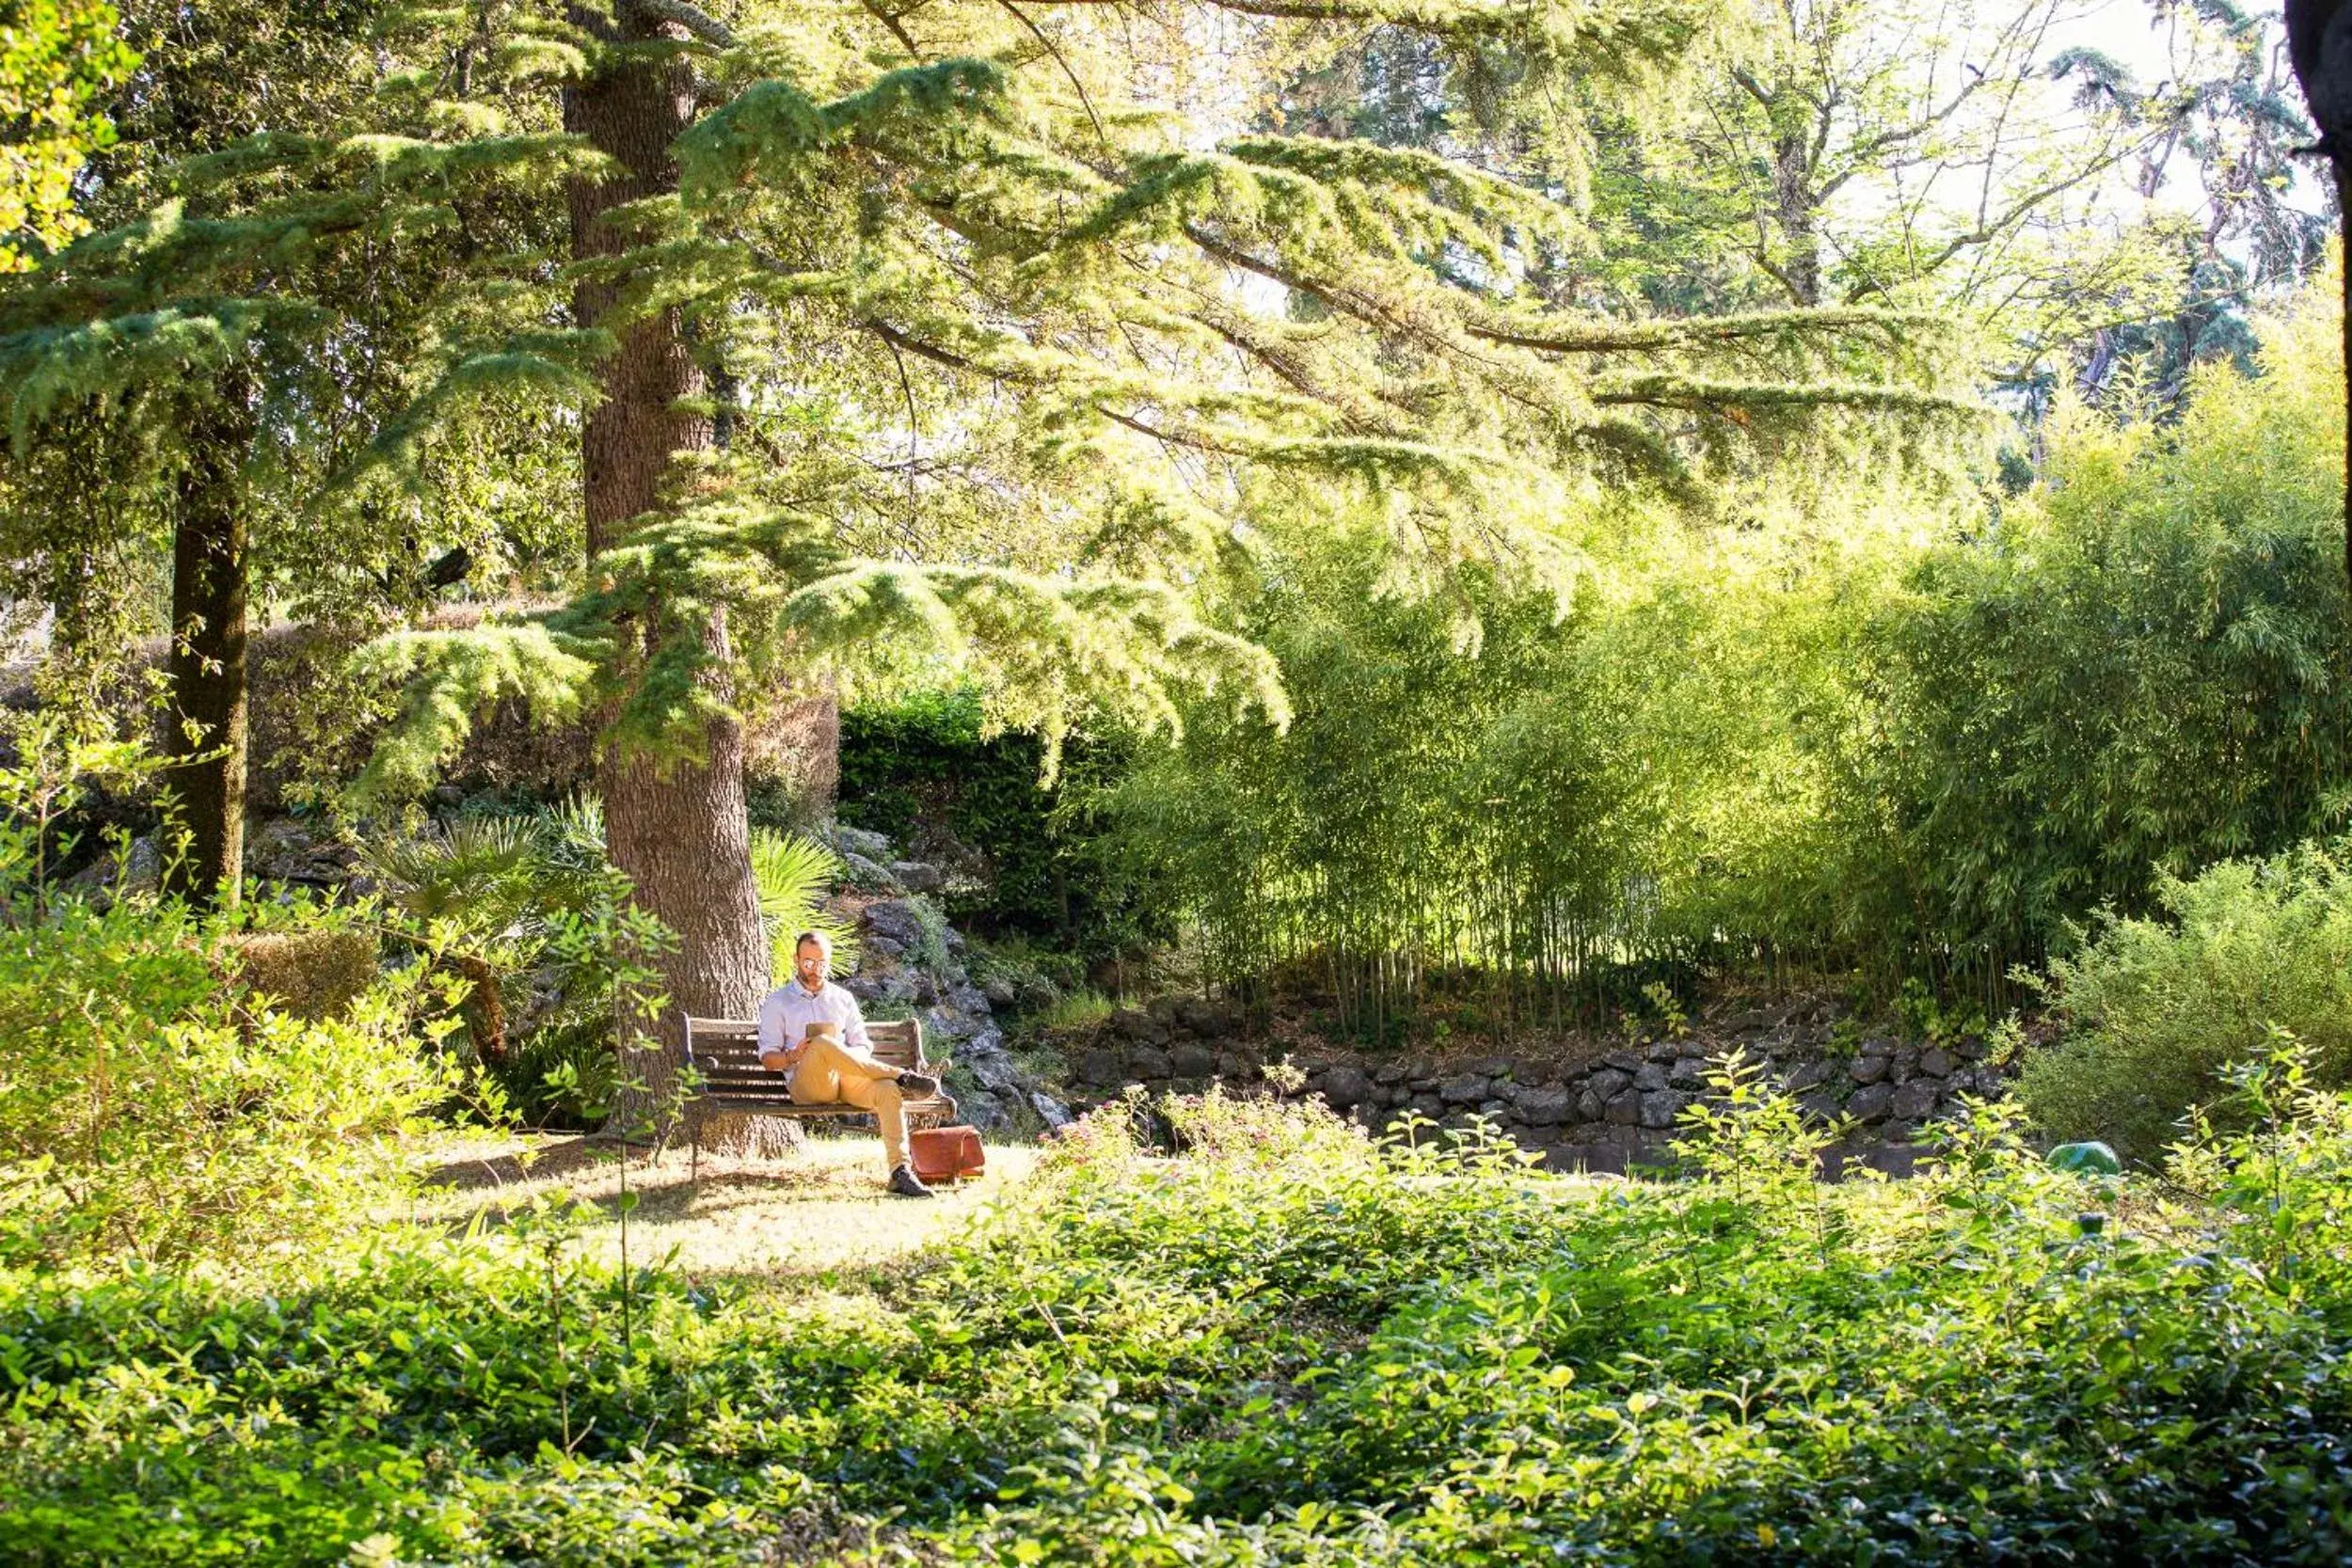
{"x":725,"y":1052}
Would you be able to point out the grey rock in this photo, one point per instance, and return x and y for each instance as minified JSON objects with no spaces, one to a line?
{"x":1052,"y":1111}
{"x":1345,"y":1087}
{"x":1626,"y":1062}
{"x":1915,"y":1101}
{"x":1163,"y":1008}
{"x":449,"y":794}
{"x":1468,"y":1088}
{"x":1148,"y":1061}
{"x":946,"y":1023}
{"x":1661,"y":1106}
{"x":1688,"y":1072}
{"x":1868,"y":1069}
{"x":1424,"y":1085}
{"x":1871,"y":1102}
{"x":1970,"y":1049}
{"x":867,"y":873}
{"x":987,"y":1040}
{"x":1608,"y":1081}
{"x":982,"y":1111}
{"x":996,"y":1074}
{"x":1544,"y":1107}
{"x":1809,"y":1075}
{"x":1936,"y":1064}
{"x":1489,"y":1067}
{"x":1651,"y":1078}
{"x":1429,"y":1106}
{"x":999,"y":991}
{"x":1624,"y":1108}
{"x":1820,"y":1105}
{"x":896,"y":919}
{"x":916,"y":876}
{"x":1664,"y":1050}
{"x":1589,"y":1105}
{"x":1877,"y":1045}
{"x":1192,"y":1060}
{"x":1099,"y":1065}
{"x":1495,"y":1110}
{"x":1753,"y":1019}
{"x":876,"y":946}
{"x":861,"y":841}
{"x":1392,"y":1074}
{"x":969,"y":999}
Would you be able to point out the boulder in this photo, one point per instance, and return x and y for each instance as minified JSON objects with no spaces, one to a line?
{"x":1428,"y":1106}
{"x":996,"y":1074}
{"x":1664,"y":1050}
{"x":1661,"y":1106}
{"x":1915,"y":1101}
{"x":896,"y":919}
{"x":1822,"y":1106}
{"x":1937,"y":1063}
{"x":916,"y":876}
{"x":1544,"y":1107}
{"x":1345,"y":1087}
{"x":1466,"y":1088}
{"x":1495,"y":1110}
{"x":1688,"y":1072}
{"x":999,"y":991}
{"x":1626,"y":1062}
{"x":1624,"y":1108}
{"x":1608,"y":1081}
{"x":1148,"y":1061}
{"x":1099,"y":1065}
{"x":1589,"y":1104}
{"x":1191,"y":1059}
{"x":1868,"y":1069}
{"x":1052,"y":1111}
{"x":860,"y":841}
{"x":968,"y":999}
{"x":1651,"y":1078}
{"x":867,"y":873}
{"x":1392,"y":1074}
{"x":1809,"y":1075}
{"x":1871,"y":1103}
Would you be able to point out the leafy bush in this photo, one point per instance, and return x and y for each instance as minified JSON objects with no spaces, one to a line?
{"x":1289,"y":1345}
{"x":2158,"y":1010}
{"x":922,"y":772}
{"x":793,"y":875}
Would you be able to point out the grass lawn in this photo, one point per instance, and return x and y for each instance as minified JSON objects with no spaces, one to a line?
{"x":812,"y":1217}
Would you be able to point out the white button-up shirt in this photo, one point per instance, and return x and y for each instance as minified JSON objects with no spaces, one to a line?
{"x":784,"y":1017}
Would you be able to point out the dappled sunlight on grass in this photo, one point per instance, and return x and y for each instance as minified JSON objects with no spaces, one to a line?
{"x":820,"y":1212}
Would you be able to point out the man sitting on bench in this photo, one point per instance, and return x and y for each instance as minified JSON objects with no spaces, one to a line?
{"x":829,"y":1057}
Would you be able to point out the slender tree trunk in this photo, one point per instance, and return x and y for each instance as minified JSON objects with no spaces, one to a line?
{"x":678,"y":827}
{"x":1792,"y":192}
{"x":207,"y":660}
{"x":2342,"y":165}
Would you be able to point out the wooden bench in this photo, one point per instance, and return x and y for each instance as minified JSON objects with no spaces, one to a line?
{"x":724,"y":1053}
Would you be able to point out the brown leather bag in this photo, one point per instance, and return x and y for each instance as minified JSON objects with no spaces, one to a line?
{"x":946,"y":1153}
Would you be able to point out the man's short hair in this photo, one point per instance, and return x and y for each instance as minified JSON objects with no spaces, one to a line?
{"x":824,"y":945}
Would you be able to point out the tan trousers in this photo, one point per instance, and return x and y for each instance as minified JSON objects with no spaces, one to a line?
{"x":829,"y":1073}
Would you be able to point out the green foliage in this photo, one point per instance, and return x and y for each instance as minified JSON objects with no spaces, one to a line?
{"x":1285,"y":1345}
{"x":926,"y":771}
{"x":306,"y":975}
{"x":58,"y":60}
{"x":2158,"y":1010}
{"x":793,"y":876}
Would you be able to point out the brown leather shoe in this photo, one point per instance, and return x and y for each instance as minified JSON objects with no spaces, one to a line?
{"x":919,"y":1083}
{"x":905,"y":1183}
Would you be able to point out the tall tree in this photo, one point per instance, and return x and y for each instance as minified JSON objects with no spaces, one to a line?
{"x":964,"y":332}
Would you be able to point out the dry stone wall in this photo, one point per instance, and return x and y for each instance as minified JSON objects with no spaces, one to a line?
{"x":1604,"y":1112}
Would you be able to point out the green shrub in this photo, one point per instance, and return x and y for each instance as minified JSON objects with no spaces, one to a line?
{"x":2156,"y":1010}
{"x":147,"y":1107}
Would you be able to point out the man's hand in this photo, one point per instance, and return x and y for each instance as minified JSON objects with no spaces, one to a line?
{"x":783,"y":1061}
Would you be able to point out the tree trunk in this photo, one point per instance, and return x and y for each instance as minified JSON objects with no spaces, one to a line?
{"x":207,"y":660}
{"x":678,"y":827}
{"x":2342,"y":165}
{"x":1792,"y":194}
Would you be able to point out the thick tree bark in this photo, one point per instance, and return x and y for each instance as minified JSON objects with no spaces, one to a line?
{"x":678,"y":827}
{"x":207,"y":661}
{"x":2319,"y":45}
